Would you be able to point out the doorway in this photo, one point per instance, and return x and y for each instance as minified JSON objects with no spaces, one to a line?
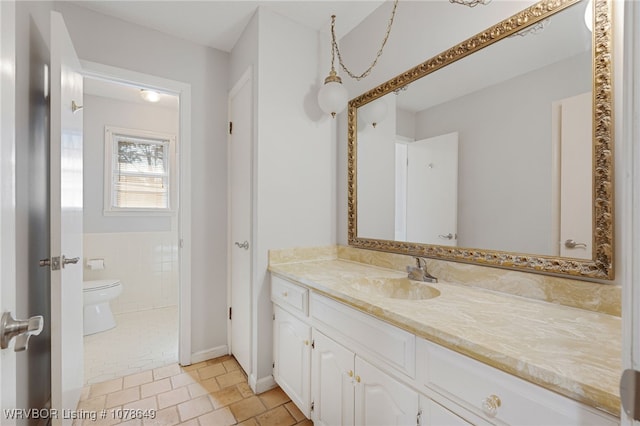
{"x":137,"y":219}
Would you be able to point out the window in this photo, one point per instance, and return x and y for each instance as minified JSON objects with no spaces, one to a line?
{"x":138,"y":171}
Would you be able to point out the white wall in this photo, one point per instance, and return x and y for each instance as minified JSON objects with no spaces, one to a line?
{"x":102,"y":39}
{"x":98,"y":113}
{"x":146,"y":263}
{"x":294,"y":170}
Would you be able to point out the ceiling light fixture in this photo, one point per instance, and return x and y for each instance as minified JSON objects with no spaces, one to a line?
{"x":471,"y":3}
{"x":332,"y":96}
{"x":149,"y":95}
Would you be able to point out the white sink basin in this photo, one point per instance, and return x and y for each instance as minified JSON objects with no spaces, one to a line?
{"x":396,"y":288}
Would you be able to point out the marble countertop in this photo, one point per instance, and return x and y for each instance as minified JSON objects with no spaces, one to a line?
{"x":574,"y":352}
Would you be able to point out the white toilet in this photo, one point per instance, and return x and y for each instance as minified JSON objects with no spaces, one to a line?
{"x":96,"y":295}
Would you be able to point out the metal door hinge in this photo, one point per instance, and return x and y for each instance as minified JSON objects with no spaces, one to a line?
{"x":230,"y":310}
{"x":231,"y":127}
{"x":273,"y":365}
{"x":54,"y":263}
{"x":419,"y":418}
{"x":274,"y":316}
{"x":313,"y":344}
{"x":313,"y":405}
{"x":629,"y":395}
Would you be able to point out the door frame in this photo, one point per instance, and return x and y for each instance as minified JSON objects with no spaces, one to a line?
{"x":246,"y":77}
{"x":183,"y":92}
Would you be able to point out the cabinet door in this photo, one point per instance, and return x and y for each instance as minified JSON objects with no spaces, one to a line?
{"x":434,"y":414}
{"x":292,"y":356}
{"x":382,"y":400}
{"x":332,"y":378}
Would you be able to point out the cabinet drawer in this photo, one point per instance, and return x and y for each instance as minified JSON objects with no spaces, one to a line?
{"x":366,"y":335}
{"x":477,"y":387}
{"x":289,"y":295}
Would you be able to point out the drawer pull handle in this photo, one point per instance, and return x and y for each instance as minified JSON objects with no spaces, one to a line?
{"x":490,"y":405}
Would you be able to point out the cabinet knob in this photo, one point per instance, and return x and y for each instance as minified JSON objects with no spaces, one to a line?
{"x":491,"y":404}
{"x":350,"y":373}
{"x":358,"y":379}
{"x":306,"y":343}
{"x":285,"y":294}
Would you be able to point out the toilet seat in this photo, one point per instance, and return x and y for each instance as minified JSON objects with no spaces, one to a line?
{"x":99,"y":284}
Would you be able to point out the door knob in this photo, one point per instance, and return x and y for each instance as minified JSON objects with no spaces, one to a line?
{"x":67,"y":261}
{"x":22,"y":330}
{"x":572,"y":244}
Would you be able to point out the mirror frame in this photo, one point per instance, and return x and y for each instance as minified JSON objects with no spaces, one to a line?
{"x":601,"y":265}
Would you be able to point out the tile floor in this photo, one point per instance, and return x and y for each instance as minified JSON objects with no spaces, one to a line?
{"x":140,"y":341}
{"x":210,"y":393}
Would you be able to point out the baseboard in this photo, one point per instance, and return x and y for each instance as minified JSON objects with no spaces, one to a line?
{"x":261,"y":385}
{"x":209,"y":354}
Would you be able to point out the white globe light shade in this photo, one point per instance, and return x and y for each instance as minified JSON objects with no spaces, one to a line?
{"x":588,"y":15}
{"x":374,"y":112}
{"x":332,"y":98}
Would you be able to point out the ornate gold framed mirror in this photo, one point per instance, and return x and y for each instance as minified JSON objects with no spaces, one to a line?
{"x":525,"y":179}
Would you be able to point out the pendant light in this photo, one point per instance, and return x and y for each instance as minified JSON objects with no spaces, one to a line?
{"x":333,"y":96}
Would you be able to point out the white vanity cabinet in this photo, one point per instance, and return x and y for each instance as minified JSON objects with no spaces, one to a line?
{"x":292,"y":342}
{"x":348,"y":390}
{"x":341,"y":366}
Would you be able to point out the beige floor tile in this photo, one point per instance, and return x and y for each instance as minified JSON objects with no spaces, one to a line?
{"x":195,"y":366}
{"x":204,"y":387}
{"x":184,"y":379}
{"x":93,"y":404}
{"x":173,"y":397}
{"x":245,"y":389}
{"x":225,"y":397}
{"x":166,"y":371}
{"x":221,"y":417}
{"x":147,"y":404}
{"x":138,"y":379}
{"x":247,"y":408}
{"x":84,"y":394}
{"x":211,"y":371}
{"x":231,"y":379}
{"x":231,"y":365}
{"x":105,"y":387}
{"x":167,"y":417}
{"x":278,"y":416}
{"x":133,"y":422}
{"x":195,"y":408}
{"x":294,"y":411}
{"x":274,"y":397}
{"x":305,"y":422}
{"x":154,"y":388}
{"x":192,"y":422}
{"x":123,"y":397}
{"x":249,"y":422}
{"x":219,"y":360}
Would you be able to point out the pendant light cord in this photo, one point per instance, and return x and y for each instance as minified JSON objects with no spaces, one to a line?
{"x":335,"y":49}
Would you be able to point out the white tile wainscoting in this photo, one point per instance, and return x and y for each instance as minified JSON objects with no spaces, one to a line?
{"x":145,"y":262}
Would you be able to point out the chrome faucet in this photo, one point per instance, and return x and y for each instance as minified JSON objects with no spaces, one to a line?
{"x":419,"y":272}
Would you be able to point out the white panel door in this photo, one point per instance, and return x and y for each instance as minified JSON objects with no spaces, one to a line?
{"x":292,"y":355}
{"x":240,"y":205}
{"x":66,"y":221}
{"x":576,"y":177}
{"x":7,"y":200}
{"x":432,"y":190}
{"x":381,"y":400}
{"x":332,"y":378}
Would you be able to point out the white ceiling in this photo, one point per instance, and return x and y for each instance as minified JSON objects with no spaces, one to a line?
{"x":219,"y":24}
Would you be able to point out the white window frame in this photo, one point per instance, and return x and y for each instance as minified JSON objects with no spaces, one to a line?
{"x":111,"y":136}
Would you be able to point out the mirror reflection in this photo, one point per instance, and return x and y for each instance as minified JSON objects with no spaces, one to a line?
{"x":493,"y":151}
